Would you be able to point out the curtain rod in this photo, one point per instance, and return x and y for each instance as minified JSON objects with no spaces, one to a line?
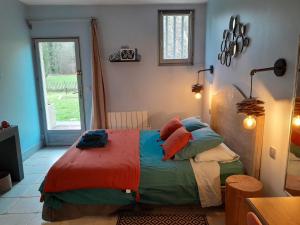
{"x":61,"y":19}
{"x":85,"y":19}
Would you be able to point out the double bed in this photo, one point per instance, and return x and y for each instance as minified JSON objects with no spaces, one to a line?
{"x":161,"y":182}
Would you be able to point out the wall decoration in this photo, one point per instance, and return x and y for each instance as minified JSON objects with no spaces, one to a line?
{"x":235,"y":41}
{"x":125,"y":54}
{"x":128,"y":54}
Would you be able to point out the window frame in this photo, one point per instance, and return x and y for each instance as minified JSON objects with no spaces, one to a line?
{"x":176,"y":62}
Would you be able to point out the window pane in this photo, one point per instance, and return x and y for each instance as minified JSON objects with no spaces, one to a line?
{"x":60,"y":85}
{"x":186,"y":36}
{"x":175,"y":36}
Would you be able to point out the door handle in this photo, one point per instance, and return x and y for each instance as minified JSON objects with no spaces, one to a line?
{"x":79,"y":73}
{"x":80,"y":90}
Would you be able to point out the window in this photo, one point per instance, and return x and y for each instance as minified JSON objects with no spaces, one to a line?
{"x":176,"y":28}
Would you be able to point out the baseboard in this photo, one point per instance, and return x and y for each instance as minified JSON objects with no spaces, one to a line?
{"x":31,"y":151}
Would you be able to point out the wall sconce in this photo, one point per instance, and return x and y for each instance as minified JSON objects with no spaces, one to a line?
{"x":296,"y":119}
{"x":198,"y":88}
{"x":253,"y":107}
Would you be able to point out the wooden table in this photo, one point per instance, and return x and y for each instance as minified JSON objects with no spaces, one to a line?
{"x":238,"y":188}
{"x":276,"y":211}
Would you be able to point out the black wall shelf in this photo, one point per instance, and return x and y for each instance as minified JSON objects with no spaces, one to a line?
{"x":125,"y":61}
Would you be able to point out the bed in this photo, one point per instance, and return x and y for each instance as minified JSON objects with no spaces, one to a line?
{"x":164,"y":182}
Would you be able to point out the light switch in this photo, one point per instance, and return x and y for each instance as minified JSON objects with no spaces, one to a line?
{"x":272,"y":153}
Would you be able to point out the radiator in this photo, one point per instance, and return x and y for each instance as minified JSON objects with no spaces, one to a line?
{"x":128,"y":120}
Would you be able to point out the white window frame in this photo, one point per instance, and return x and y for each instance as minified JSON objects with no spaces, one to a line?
{"x":190,"y":59}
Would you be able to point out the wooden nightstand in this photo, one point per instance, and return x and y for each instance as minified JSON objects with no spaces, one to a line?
{"x":238,"y":188}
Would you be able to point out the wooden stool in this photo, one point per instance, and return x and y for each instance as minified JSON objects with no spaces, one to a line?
{"x":238,"y":188}
{"x":292,"y":184}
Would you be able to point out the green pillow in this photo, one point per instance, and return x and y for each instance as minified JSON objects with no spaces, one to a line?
{"x":203,"y":139}
{"x":193,"y":123}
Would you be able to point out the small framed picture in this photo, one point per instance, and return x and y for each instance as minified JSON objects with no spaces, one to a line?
{"x":127,"y":54}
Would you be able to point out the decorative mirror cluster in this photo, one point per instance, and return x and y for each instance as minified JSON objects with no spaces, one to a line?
{"x":234,"y":42}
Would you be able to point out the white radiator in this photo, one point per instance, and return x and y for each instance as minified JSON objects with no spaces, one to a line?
{"x":128,"y":120}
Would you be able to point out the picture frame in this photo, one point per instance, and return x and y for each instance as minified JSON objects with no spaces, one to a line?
{"x":127,"y":54}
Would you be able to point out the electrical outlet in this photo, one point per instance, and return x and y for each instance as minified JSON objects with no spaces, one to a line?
{"x":272,"y":153}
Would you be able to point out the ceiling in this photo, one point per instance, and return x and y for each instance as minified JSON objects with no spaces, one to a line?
{"x":108,"y":2}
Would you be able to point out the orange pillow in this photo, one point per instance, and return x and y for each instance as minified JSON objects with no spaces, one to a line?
{"x":177,"y":141}
{"x":169,"y":128}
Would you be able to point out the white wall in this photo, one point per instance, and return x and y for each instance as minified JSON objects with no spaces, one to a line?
{"x":274,"y":32}
{"x":163,"y":91}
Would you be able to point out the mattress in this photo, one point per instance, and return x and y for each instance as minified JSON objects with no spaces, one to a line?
{"x":161,"y":183}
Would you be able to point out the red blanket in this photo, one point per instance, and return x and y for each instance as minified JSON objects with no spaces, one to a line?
{"x":116,"y":166}
{"x":296,"y":138}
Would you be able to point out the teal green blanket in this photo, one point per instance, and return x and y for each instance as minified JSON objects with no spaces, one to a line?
{"x":295,"y":149}
{"x":162,"y":182}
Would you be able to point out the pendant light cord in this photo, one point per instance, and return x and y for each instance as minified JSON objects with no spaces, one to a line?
{"x":198,"y":80}
{"x":251,"y":86}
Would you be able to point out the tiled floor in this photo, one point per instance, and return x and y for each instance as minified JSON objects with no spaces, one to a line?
{"x":21,"y":205}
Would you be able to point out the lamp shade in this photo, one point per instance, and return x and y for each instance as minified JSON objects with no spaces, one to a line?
{"x":197,"y":88}
{"x":251,"y":107}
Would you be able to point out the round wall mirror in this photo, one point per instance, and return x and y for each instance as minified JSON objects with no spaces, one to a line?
{"x":232,"y":23}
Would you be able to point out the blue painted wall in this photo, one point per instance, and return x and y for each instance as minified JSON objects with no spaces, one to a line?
{"x":18,"y":99}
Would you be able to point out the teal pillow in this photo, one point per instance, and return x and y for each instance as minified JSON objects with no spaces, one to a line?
{"x":203,"y":140}
{"x":193,"y":123}
{"x":295,"y":149}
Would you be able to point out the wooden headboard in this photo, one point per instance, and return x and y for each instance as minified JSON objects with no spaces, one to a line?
{"x":229,"y":124}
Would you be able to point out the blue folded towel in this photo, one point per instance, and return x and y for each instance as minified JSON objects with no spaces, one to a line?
{"x":86,"y":145}
{"x":95,"y":135}
{"x":93,"y":139}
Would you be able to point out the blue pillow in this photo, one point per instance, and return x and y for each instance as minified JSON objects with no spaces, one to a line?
{"x":193,"y":123}
{"x":203,"y":139}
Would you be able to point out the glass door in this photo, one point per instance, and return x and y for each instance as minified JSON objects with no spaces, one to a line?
{"x":60,"y":89}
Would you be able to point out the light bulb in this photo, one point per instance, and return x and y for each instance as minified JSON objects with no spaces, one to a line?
{"x":296,"y":121}
{"x":198,"y":95}
{"x":249,"y":122}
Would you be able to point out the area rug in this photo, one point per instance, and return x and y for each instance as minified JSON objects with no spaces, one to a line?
{"x":163,"y":219}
